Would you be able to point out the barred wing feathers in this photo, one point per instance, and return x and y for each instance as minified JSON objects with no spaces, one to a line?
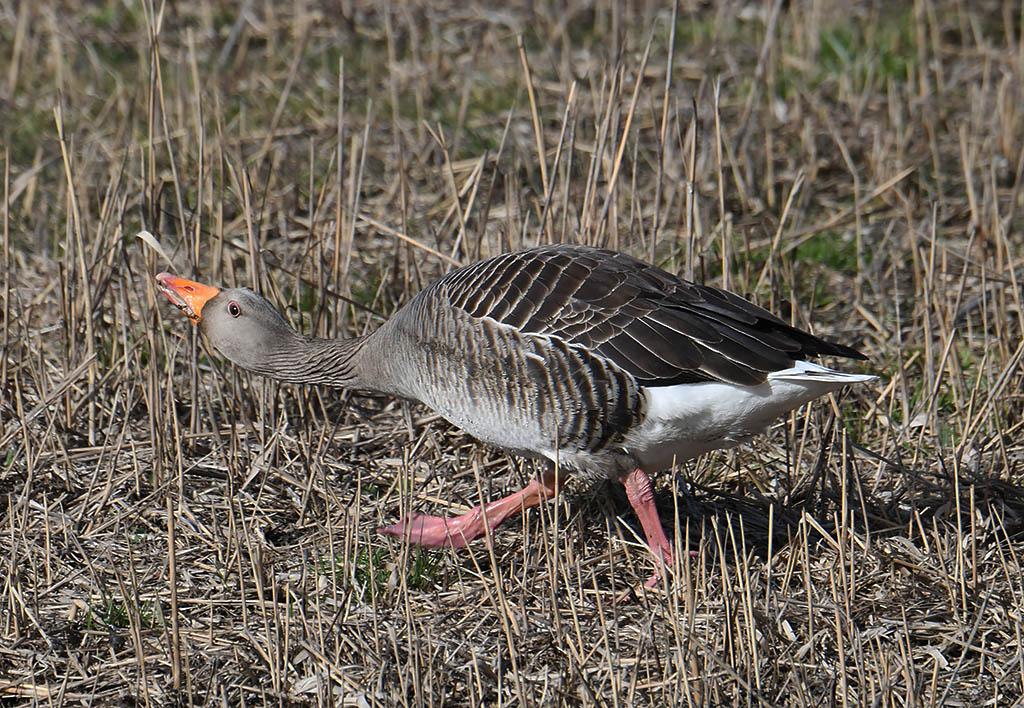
{"x":659,"y":328}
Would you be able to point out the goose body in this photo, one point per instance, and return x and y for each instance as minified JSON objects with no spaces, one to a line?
{"x":590,"y":358}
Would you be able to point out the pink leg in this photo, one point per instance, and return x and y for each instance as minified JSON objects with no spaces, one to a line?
{"x":458,"y":531}
{"x":641,"y":496}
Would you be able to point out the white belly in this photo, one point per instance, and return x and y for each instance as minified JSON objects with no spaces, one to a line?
{"x":688,"y":420}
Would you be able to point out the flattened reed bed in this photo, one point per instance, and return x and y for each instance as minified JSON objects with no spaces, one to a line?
{"x":175,"y":531}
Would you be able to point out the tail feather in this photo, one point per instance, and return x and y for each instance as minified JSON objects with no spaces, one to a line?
{"x":809,"y":371}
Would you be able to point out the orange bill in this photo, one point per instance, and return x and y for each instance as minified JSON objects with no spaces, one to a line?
{"x":187,"y":296}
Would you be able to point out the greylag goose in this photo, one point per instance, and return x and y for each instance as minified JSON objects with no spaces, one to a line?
{"x":594,"y":360}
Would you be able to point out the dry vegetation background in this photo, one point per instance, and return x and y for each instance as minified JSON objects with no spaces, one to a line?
{"x":175,"y":532}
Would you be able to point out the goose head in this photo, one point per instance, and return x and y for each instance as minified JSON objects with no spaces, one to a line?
{"x":238,"y":322}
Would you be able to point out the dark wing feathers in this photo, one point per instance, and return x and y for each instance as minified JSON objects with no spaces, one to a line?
{"x":660,"y":329}
{"x":680,"y":352}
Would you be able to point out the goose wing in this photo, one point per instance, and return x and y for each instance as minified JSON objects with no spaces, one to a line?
{"x":661,"y":329}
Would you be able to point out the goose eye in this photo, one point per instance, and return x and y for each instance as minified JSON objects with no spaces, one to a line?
{"x":233,"y":309}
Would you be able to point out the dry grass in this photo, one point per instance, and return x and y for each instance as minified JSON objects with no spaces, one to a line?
{"x":175,"y":532}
